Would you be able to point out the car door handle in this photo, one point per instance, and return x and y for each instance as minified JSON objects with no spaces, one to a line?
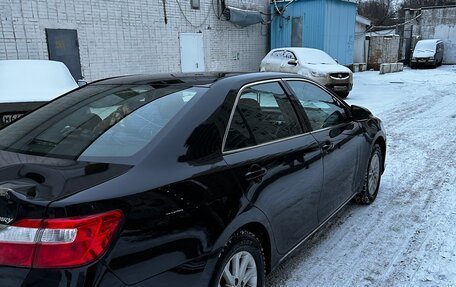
{"x":256,"y":173}
{"x":327,"y":146}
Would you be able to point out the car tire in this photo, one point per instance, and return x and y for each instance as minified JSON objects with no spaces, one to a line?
{"x":243,"y":249}
{"x":372,"y":177}
{"x":343,"y":95}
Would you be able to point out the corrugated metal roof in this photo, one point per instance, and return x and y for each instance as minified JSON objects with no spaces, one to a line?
{"x":363,"y":20}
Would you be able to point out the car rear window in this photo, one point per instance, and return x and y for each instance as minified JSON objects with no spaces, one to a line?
{"x":98,"y":121}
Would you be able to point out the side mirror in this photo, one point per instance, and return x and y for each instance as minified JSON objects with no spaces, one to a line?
{"x":360,"y":113}
{"x":293,"y":62}
{"x":82,"y":83}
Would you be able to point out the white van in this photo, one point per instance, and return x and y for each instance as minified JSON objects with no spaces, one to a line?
{"x":28,"y":84}
{"x":427,"y":53}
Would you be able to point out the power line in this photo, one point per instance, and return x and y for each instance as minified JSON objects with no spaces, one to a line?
{"x":188,"y":21}
{"x":372,"y":27}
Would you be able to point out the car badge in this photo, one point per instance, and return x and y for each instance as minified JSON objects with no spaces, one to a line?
{"x":5,"y":220}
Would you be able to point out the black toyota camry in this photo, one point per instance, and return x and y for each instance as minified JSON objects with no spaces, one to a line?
{"x":178,"y":180}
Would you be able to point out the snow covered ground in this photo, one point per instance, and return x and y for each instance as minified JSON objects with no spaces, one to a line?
{"x":407,"y":237}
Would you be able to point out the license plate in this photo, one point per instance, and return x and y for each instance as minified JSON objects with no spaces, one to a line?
{"x":8,"y":118}
{"x":339,"y":88}
{"x":421,"y":61}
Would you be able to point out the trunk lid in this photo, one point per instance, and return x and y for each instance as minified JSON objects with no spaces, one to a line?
{"x":29,"y":183}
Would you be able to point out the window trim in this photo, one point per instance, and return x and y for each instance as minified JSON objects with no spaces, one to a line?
{"x":344,"y":104}
{"x":233,"y":110}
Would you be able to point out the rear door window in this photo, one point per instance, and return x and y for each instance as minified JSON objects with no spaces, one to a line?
{"x":263,"y":114}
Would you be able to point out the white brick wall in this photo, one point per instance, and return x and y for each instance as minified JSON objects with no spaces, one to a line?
{"x":118,"y":37}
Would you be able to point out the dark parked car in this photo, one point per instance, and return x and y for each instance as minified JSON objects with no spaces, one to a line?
{"x":187,"y":180}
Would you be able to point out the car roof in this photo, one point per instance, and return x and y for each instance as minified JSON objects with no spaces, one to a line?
{"x":309,"y":55}
{"x":430,"y":41}
{"x":190,"y":79}
{"x":34,"y":80}
{"x":298,"y":49}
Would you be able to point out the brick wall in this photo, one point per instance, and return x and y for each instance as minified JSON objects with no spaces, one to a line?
{"x":118,"y":37}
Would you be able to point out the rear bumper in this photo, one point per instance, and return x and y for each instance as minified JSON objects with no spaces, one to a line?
{"x":11,"y":276}
{"x":92,"y":275}
{"x":195,"y":273}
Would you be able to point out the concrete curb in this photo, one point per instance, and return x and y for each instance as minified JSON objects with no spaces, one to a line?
{"x":358,"y":67}
{"x":391,"y":68}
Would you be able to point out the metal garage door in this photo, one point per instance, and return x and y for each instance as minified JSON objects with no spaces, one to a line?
{"x":63,"y":46}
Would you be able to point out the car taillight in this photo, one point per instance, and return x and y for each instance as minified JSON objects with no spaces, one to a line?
{"x":57,"y":243}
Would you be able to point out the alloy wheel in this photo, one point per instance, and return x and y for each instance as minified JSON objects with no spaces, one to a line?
{"x":239,"y":271}
{"x":374,"y":173}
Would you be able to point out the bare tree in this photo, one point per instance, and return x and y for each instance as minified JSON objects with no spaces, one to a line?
{"x":425,"y":3}
{"x":380,"y":12}
{"x":384,"y":13}
{"x":415,"y":4}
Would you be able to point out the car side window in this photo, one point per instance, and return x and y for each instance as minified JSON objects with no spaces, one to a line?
{"x":284,"y":54}
{"x":321,"y":108}
{"x":263,"y":113}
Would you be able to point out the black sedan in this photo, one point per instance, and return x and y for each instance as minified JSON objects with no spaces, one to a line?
{"x":178,"y":180}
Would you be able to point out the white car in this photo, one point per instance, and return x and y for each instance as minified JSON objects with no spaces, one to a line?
{"x":28,"y":84}
{"x":313,"y":64}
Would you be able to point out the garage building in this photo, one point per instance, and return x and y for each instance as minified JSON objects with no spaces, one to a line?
{"x":328,"y":25}
{"x":99,"y":38}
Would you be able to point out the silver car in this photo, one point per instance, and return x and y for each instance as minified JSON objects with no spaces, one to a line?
{"x":313,"y":64}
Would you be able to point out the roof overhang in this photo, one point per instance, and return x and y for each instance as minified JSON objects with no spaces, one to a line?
{"x":363,"y":20}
